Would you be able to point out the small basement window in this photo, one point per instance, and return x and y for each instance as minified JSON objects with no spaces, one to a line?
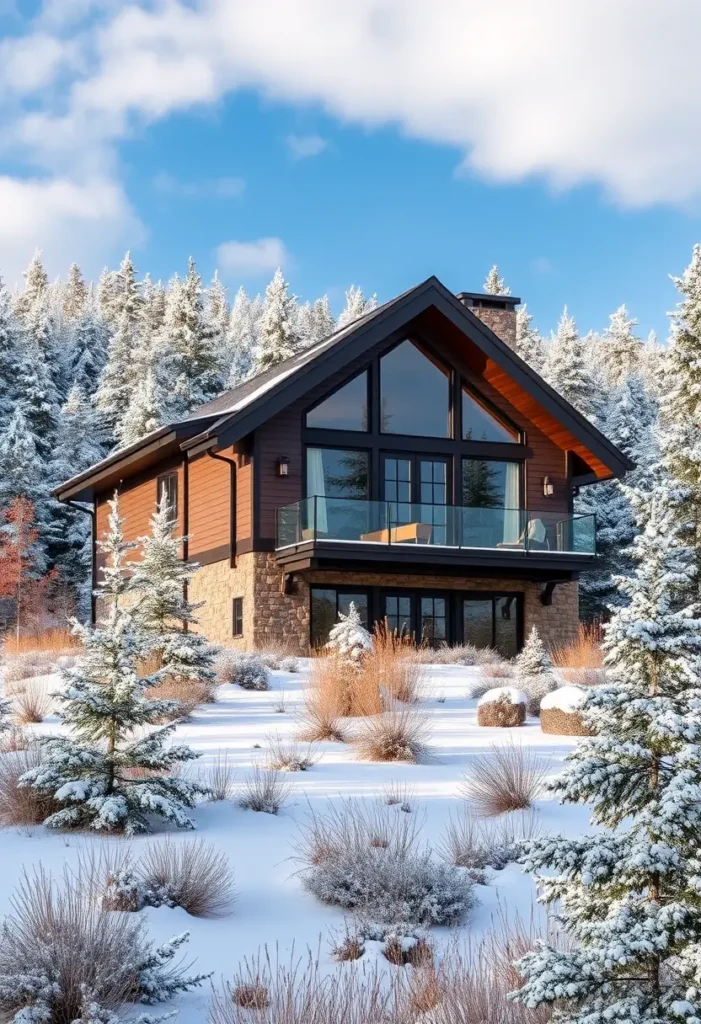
{"x":237,"y":629}
{"x":168,"y":493}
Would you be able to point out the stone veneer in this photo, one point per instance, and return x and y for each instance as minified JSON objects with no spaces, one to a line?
{"x":501,"y":321}
{"x":274,"y":618}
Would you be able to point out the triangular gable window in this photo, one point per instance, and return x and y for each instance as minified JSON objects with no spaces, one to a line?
{"x":415,"y":393}
{"x":480,"y":424}
{"x":345,"y":409}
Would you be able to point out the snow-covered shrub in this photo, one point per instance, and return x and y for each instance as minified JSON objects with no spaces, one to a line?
{"x":186,"y":695}
{"x":398,"y":794}
{"x":20,"y":805}
{"x":349,"y":640}
{"x":5,"y":708}
{"x":286,"y":756}
{"x":509,"y":777}
{"x":245,"y":670}
{"x":264,"y":790}
{"x":401,"y":950}
{"x":368,"y":860}
{"x":459,"y":654}
{"x":560,"y":712}
{"x":190,"y":874}
{"x":59,"y":954}
{"x":533,"y":671}
{"x":502,"y":707}
{"x":13,"y":738}
{"x":400,"y":735}
{"x":476,"y":844}
{"x":219,"y":776}
{"x":289,"y":664}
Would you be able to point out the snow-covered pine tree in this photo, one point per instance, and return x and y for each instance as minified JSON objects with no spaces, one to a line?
{"x":144,"y":412}
{"x":278,"y":338}
{"x":680,"y":409}
{"x":652,"y":364}
{"x":323,"y":323}
{"x":22,"y":469}
{"x":533,"y":671}
{"x":494,"y":285}
{"x":110,"y":773}
{"x":529,"y":344}
{"x":217,"y":315}
{"x":190,"y":351}
{"x":153,"y":307}
{"x":164,"y":615}
{"x":620,"y":347}
{"x":87,"y":354}
{"x":36,"y":282}
{"x":241,"y":342}
{"x":628,"y":895}
{"x":356,"y":306}
{"x":121,"y":307}
{"x":9,"y":354}
{"x":565,"y":367}
{"x":75,"y":292}
{"x":348,"y":639}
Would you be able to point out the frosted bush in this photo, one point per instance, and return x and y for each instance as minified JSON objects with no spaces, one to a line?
{"x":289,"y":665}
{"x":349,"y":640}
{"x":386,"y":886}
{"x":533,"y":672}
{"x":245,"y":670}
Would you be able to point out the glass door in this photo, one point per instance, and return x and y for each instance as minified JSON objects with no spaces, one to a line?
{"x":493,"y":620}
{"x":416,"y":488}
{"x":399,"y":614}
{"x":421,"y":616}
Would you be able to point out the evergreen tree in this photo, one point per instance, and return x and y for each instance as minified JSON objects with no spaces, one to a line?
{"x":104,"y":703}
{"x":164,"y":614}
{"x":22,"y":470}
{"x":529,"y":344}
{"x":533,"y":673}
{"x":120,"y":305}
{"x":566,"y":369}
{"x":242,"y":340}
{"x":681,"y":403}
{"x":621,"y":349}
{"x":494,"y":285}
{"x":153,"y":307}
{"x":36,"y":282}
{"x":87,"y":353}
{"x":356,"y":306}
{"x":75,"y":292}
{"x":145,"y":411}
{"x":190,"y":348}
{"x":628,"y":894}
{"x":348,"y":639}
{"x":9,"y":355}
{"x":315,"y":322}
{"x":278,"y":339}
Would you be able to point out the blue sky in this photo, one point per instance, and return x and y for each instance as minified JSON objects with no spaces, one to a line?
{"x":372,"y":145}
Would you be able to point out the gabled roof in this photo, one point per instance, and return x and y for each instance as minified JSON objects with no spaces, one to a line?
{"x":235,"y":413}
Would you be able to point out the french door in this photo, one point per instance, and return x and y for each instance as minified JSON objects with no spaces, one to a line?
{"x":417,"y":489}
{"x":493,"y":620}
{"x":422,"y":616}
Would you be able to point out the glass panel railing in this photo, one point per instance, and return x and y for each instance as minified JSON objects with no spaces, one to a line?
{"x":380,"y":522}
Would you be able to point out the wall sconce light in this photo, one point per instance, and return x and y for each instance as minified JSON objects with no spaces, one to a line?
{"x":283,"y":466}
{"x":548,"y":487}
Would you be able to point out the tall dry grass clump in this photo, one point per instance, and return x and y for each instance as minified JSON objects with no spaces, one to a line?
{"x":21,"y":806}
{"x":399,"y":735}
{"x":392,"y":670}
{"x":508,"y":777}
{"x":583,"y":653}
{"x":264,"y":790}
{"x":191,"y":874}
{"x":32,"y":703}
{"x":54,"y":641}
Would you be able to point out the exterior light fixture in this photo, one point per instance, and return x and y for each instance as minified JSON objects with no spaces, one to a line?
{"x":548,"y":487}
{"x":283,"y":466}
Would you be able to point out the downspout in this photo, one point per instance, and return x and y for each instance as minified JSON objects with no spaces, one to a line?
{"x":186,"y":527}
{"x":93,"y":566}
{"x":232,"y":503}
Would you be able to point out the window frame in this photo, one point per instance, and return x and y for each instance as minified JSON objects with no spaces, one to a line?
{"x":367,"y":371}
{"x":493,"y":458}
{"x":237,"y":616}
{"x":491,"y":409}
{"x":433,"y":357}
{"x":337,"y":448}
{"x":163,"y":478}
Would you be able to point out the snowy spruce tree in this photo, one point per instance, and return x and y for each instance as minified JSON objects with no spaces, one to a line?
{"x":533,"y":671}
{"x":121,"y":308}
{"x":621,"y":349}
{"x":279,"y":338}
{"x":87,"y":348}
{"x":9,"y":354}
{"x":111,"y":772}
{"x":75,"y":293}
{"x":164,"y":615}
{"x":36,"y":282}
{"x":565,"y":368}
{"x":529,"y":344}
{"x":241,"y":341}
{"x":356,"y":306}
{"x":349,"y":640}
{"x":494,"y":285}
{"x":629,"y":895}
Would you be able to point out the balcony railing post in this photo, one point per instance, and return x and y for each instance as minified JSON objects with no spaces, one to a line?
{"x":314,"y":527}
{"x":389,"y":523}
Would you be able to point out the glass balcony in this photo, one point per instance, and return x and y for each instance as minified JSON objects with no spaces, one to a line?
{"x":446,"y":526}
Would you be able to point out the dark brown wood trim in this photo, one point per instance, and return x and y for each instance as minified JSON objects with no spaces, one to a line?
{"x":248,"y":544}
{"x":220,"y":554}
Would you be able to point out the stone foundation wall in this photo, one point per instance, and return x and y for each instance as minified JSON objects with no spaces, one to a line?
{"x":273,"y":618}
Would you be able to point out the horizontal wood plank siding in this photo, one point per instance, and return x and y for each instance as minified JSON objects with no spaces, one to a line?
{"x":209,"y":524}
{"x":244,"y":497}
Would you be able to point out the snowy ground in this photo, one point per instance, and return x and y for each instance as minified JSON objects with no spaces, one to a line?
{"x":272,"y":908}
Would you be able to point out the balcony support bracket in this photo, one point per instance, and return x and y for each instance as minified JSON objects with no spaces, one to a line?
{"x":288,"y":585}
{"x":546,"y":594}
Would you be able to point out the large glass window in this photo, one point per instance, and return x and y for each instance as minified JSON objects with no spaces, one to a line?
{"x":493,"y":620}
{"x":337,"y":479}
{"x":398,"y":613}
{"x":345,"y":409}
{"x":415,"y":393}
{"x":490,"y":483}
{"x":326,"y":603}
{"x":479,"y":424}
{"x":433,"y":620}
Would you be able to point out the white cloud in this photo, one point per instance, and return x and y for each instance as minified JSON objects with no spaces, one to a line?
{"x":218,"y":188}
{"x":251,"y":258}
{"x":542,"y":265}
{"x":68,"y":220}
{"x":302,"y":146}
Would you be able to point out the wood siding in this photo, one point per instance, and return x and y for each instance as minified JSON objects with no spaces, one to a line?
{"x":209,"y":518}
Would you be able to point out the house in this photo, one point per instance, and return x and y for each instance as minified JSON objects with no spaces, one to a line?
{"x":410,"y":463}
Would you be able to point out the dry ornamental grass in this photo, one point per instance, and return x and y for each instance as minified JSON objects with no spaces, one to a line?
{"x":286,"y":756}
{"x":31,"y":704}
{"x":192,"y":874}
{"x":584,"y":652}
{"x":400,"y":735}
{"x":22,"y":805}
{"x":219,"y":777}
{"x":506,"y":778}
{"x":264,"y":790}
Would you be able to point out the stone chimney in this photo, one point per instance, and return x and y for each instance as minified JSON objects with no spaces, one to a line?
{"x":498,"y":312}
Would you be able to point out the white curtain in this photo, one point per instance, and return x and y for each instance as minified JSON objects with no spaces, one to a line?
{"x":512,"y":516}
{"x":316,"y":487}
